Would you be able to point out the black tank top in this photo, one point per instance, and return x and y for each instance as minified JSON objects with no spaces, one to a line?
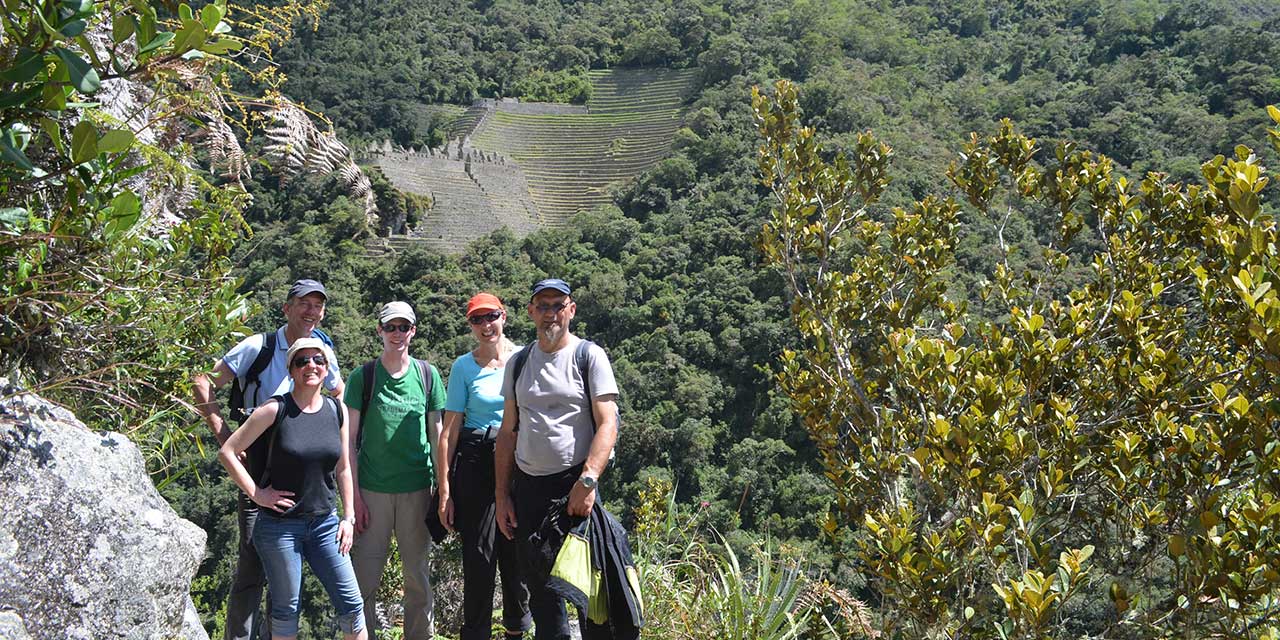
{"x":302,"y":455}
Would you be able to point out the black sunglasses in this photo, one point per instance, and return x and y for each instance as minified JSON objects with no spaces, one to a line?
{"x":481,"y":318}
{"x":402,"y":327}
{"x":301,"y":361}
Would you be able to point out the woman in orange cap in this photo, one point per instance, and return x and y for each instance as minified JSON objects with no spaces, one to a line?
{"x":464,"y":469}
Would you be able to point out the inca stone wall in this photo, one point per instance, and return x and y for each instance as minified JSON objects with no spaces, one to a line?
{"x":523,"y":165}
{"x":474,"y":194}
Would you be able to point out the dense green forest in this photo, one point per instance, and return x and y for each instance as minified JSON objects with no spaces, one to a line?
{"x":671,"y":280}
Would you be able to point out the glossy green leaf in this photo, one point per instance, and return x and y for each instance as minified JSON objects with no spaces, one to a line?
{"x":191,"y":36}
{"x":54,"y":97}
{"x":210,"y":16}
{"x":78,"y":6}
{"x":125,"y":210}
{"x":10,"y":151}
{"x":29,"y":64}
{"x":146,"y":27}
{"x":122,"y":27}
{"x":223,"y":46}
{"x":20,"y":98}
{"x":54,"y":131}
{"x":84,"y":142}
{"x":83,"y":77}
{"x":115,"y":141}
{"x":73,"y":28}
{"x":160,"y":40}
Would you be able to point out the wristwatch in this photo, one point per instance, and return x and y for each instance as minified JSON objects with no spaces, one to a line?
{"x":351,"y":520}
{"x":589,"y":482}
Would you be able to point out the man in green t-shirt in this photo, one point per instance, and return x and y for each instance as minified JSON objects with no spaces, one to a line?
{"x":394,"y":471}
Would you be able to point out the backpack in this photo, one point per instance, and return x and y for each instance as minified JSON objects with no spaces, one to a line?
{"x":580,"y":357}
{"x":367,"y":371}
{"x":265,"y":479}
{"x":260,"y":363}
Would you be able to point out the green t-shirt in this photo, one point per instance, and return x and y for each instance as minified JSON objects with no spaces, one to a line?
{"x":395,"y":453}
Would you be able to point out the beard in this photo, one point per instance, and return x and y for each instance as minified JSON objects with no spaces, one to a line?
{"x":552,"y":333}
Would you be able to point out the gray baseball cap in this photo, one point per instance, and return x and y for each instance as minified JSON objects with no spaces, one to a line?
{"x":397,"y":309}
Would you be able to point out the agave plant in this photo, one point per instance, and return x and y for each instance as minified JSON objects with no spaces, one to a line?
{"x":757,"y":607}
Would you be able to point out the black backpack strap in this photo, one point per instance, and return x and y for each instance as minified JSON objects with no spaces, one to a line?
{"x":424,"y":372}
{"x":583,"y":358}
{"x":260,"y":363}
{"x":240,"y":384}
{"x":274,"y":431}
{"x":337,"y":409}
{"x":516,"y":365}
{"x":581,"y":355}
{"x":367,"y":372}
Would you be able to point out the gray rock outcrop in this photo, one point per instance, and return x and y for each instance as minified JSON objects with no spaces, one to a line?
{"x":88,"y":547}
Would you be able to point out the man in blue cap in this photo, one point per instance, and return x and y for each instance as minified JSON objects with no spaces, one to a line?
{"x":559,"y":425}
{"x":259,"y":368}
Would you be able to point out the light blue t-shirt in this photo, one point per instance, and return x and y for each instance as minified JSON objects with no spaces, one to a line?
{"x":475,"y":392}
{"x":274,"y":380}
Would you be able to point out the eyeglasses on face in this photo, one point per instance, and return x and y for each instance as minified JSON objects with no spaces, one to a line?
{"x":301,"y":361}
{"x":393,"y":327}
{"x":481,"y":318}
{"x":544,"y":308}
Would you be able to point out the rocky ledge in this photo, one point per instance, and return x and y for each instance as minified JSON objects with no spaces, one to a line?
{"x":88,"y":548}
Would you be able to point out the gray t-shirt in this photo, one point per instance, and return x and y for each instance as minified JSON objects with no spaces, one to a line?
{"x":555,"y":417}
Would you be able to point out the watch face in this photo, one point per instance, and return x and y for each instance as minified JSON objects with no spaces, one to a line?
{"x":588,"y":482}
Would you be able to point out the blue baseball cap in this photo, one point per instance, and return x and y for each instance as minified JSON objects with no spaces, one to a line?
{"x":304,"y":287}
{"x":551,"y":283}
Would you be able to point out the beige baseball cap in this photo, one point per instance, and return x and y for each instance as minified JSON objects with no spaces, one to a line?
{"x":397,"y":309}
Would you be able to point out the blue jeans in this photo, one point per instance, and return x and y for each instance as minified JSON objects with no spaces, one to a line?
{"x":282,"y":543}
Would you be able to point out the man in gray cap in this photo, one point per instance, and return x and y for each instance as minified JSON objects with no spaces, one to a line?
{"x":258,"y":369}
{"x":559,"y":426}
{"x":394,"y":405}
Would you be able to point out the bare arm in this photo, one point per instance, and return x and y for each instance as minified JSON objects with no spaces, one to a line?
{"x":444,"y":457}
{"x":504,"y":461}
{"x":605,"y":410}
{"x":433,"y":428}
{"x":203,"y":387}
{"x":229,"y":456}
{"x":346,"y":487}
{"x":359,"y":510}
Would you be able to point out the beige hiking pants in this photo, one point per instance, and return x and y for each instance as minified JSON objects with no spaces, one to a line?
{"x":403,"y":514}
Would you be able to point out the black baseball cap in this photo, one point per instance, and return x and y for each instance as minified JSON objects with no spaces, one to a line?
{"x":550,"y":283}
{"x":304,"y":287}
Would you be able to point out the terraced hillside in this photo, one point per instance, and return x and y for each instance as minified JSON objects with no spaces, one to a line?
{"x":572,"y":160}
{"x":471,"y":199}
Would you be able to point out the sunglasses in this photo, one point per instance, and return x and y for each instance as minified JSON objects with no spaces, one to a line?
{"x":392,"y":327}
{"x":550,"y":308}
{"x":301,"y":361}
{"x":481,"y":318}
